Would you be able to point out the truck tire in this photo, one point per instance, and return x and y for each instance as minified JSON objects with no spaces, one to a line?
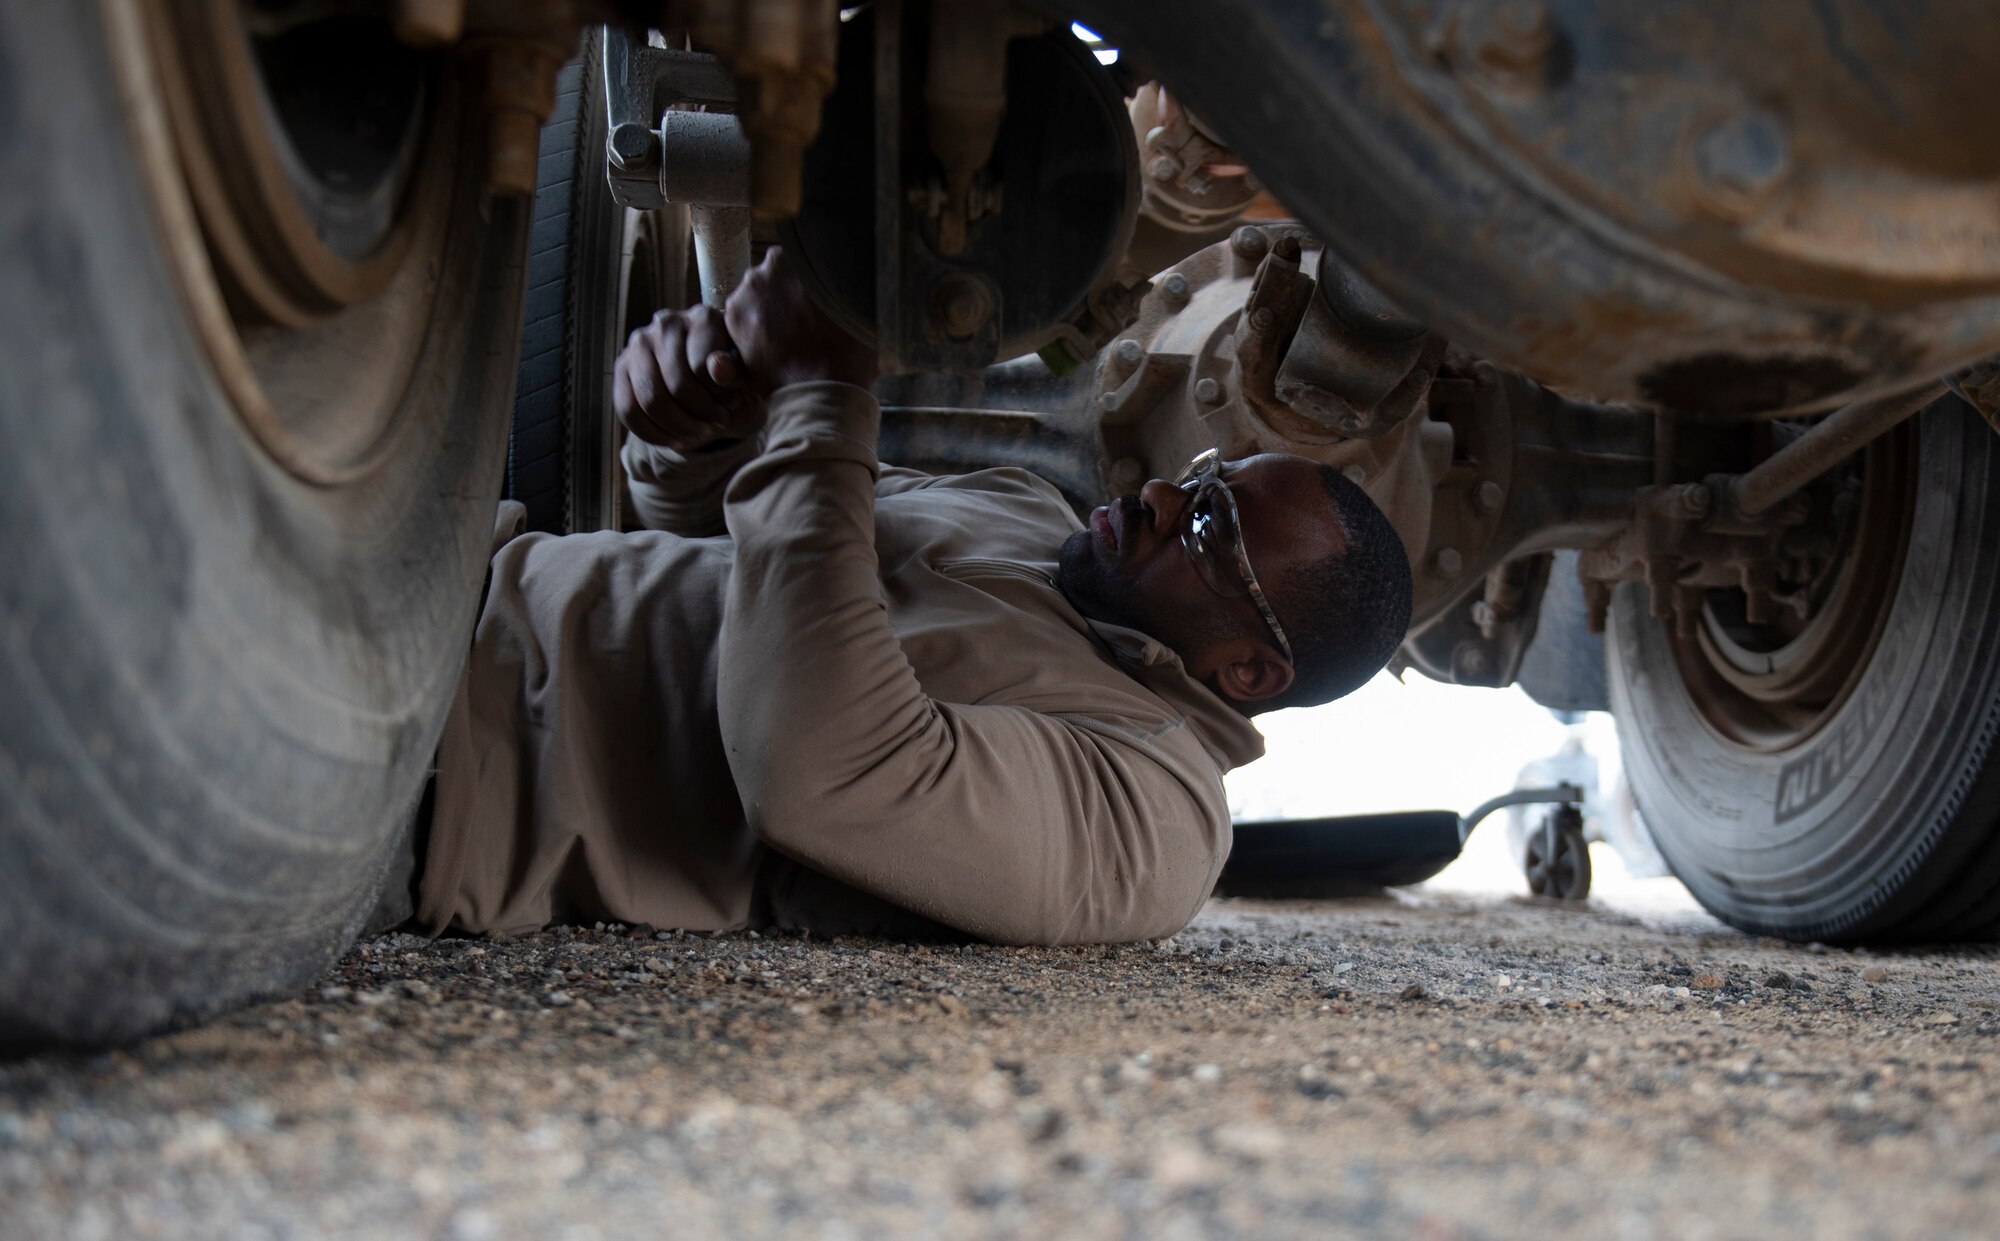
{"x":589,"y":260}
{"x":1841,"y":786}
{"x":242,"y":524}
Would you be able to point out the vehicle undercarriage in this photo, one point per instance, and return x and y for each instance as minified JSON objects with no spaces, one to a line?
{"x":1664,"y":323}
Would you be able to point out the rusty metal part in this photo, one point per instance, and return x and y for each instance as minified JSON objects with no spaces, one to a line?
{"x":1356,"y":364}
{"x":782,"y":53}
{"x":1725,"y":210}
{"x":1832,"y":440}
{"x":1195,"y":188}
{"x":518,"y":91}
{"x":867,"y":244}
{"x":965,"y":99}
{"x":427,"y":23}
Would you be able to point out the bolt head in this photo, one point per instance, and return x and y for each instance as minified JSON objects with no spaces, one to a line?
{"x":1250,"y":241}
{"x":633,"y":146}
{"x":1174,"y":288}
{"x":1163,"y":167}
{"x":1263,"y":319}
{"x":1130,"y":352}
{"x":1447,"y":562}
{"x":1488,"y":496}
{"x":1208,"y":392}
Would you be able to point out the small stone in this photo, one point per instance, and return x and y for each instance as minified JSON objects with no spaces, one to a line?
{"x":1682,"y":993}
{"x":1874,"y":973}
{"x":1248,"y":1140}
{"x":1502,"y":981}
{"x":1779,"y":979}
{"x":950,"y":1004}
{"x":1207,"y":1074}
{"x":556,"y":999}
{"x":1343,"y":967}
{"x":1415,"y":991}
{"x":1707,"y":980}
{"x":1818,"y":949}
{"x":1941,"y":1019}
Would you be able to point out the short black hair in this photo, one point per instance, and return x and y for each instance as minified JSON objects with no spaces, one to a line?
{"x":1346,"y":615}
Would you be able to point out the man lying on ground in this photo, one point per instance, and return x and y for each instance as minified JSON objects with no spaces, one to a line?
{"x":827,"y":693}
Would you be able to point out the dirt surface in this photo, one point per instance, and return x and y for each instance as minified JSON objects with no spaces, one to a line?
{"x":1426,"y":1066}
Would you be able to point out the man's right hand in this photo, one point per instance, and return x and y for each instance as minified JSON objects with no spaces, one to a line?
{"x":785,"y":338}
{"x":680,"y":383}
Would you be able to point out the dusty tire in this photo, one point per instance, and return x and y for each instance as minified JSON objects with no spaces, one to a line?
{"x":224,"y":681}
{"x":589,"y":260}
{"x":1878,"y":821}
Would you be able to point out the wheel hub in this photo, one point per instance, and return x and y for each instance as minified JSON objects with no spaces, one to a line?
{"x":1771,"y":686}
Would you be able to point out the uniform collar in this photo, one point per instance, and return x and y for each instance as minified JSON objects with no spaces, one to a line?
{"x":1224,"y":732}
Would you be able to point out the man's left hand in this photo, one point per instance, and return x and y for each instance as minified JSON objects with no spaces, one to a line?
{"x":680,"y":383}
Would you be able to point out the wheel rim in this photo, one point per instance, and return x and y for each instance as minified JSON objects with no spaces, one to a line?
{"x":300,"y":143}
{"x":1771,"y":687}
{"x":307,"y":257}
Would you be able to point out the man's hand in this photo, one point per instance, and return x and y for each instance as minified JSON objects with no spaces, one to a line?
{"x":681,"y":384}
{"x":784,"y":338}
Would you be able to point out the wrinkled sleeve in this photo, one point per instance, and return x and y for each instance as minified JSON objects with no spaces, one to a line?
{"x":1014,"y":825}
{"x":682,"y":494}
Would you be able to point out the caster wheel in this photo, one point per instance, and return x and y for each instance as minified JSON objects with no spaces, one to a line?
{"x":1557,"y":860}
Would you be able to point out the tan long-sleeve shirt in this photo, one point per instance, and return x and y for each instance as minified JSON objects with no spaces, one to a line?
{"x":865,"y":706}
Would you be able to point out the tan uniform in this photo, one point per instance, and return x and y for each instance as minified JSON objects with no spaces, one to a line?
{"x":868,"y":701}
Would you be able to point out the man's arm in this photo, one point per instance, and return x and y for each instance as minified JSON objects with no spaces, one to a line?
{"x":1012,"y":824}
{"x":682,"y":494}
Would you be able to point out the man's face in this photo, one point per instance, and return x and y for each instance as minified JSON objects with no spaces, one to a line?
{"x":1128,"y":566}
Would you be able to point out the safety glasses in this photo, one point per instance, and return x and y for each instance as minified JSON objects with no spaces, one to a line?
{"x":1212,"y":534}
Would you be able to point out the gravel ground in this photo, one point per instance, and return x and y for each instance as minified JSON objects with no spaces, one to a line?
{"x":1419,"y":1066}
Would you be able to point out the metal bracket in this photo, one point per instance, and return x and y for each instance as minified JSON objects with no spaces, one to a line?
{"x":641,"y":82}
